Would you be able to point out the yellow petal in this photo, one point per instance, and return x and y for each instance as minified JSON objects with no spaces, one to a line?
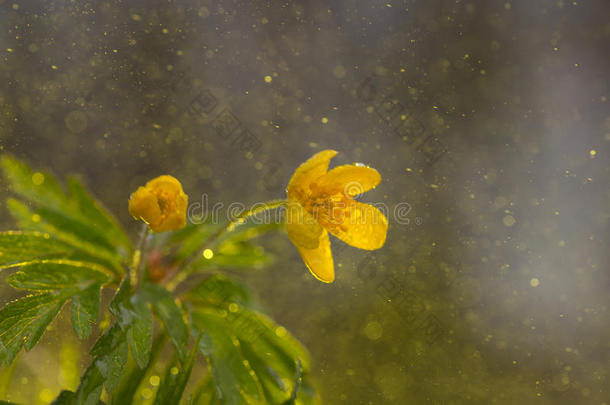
{"x":319,"y":261}
{"x":167,"y":183}
{"x":312,"y":169}
{"x":303,"y":229}
{"x":162,"y":204}
{"x":177,"y":218}
{"x":143,"y":205}
{"x":350,"y":179}
{"x":365,"y":228}
{"x":311,"y":241}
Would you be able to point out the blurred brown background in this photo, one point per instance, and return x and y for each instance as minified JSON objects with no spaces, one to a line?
{"x":489,"y":122}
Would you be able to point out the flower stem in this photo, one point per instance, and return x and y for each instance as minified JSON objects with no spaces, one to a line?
{"x":136,"y":262}
{"x":228,"y":227}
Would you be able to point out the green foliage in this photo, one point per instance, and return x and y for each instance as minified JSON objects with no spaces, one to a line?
{"x":68,"y":248}
{"x":253,"y":360}
{"x":22,"y":247}
{"x":72,"y":217}
{"x":175,"y":380}
{"x":56,"y":281}
{"x":231,"y":252}
{"x":169,"y":313}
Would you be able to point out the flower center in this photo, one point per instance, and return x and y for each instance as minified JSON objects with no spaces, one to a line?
{"x":166,"y":203}
{"x":330,"y":208}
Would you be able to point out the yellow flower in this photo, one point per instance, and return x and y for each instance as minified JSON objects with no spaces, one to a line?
{"x":161,"y":204}
{"x":322,"y":201}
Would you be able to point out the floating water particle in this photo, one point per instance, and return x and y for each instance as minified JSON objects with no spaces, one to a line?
{"x":534,"y":282}
{"x":208,"y":254}
{"x":136,"y":17}
{"x":339,"y":72}
{"x":53,"y":67}
{"x":268,"y":79}
{"x":233,"y":307}
{"x":174,"y":370}
{"x":46,"y":395}
{"x":592,"y":153}
{"x":76,"y":121}
{"x":147,"y":393}
{"x":508,"y":220}
{"x":280,"y":331}
{"x":154,"y":380}
{"x":324,"y":120}
{"x":35,"y":218}
{"x":373,"y":330}
{"x":500,"y":202}
{"x":37,"y":178}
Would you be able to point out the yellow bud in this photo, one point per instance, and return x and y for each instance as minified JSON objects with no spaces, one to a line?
{"x":161,"y":204}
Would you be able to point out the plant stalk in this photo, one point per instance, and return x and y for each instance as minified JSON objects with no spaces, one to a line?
{"x":135,"y":270}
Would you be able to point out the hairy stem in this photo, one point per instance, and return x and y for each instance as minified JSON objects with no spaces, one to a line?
{"x":136,"y":262}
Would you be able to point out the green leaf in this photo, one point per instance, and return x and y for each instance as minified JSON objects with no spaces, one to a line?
{"x":132,"y":378}
{"x":205,"y":394}
{"x":81,"y":281}
{"x":64,"y":398}
{"x":133,"y":330}
{"x":233,"y":255}
{"x":58,"y":275}
{"x":110,"y":353}
{"x":273,"y":354}
{"x":167,"y":310}
{"x":73,"y":217}
{"x":222,"y":312}
{"x":6,"y":376}
{"x":231,"y":370}
{"x":139,"y":334}
{"x":38,"y":187}
{"x":190,"y":239}
{"x":97,"y":215}
{"x":135,"y":319}
{"x":22,"y":322}
{"x":85,"y":310}
{"x":63,"y":233}
{"x":218,"y":290}
{"x":240,"y":254}
{"x":232,"y":249}
{"x":173,"y":384}
{"x":20,"y":247}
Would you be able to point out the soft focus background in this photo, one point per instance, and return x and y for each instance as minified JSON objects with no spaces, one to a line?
{"x":488,"y":120}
